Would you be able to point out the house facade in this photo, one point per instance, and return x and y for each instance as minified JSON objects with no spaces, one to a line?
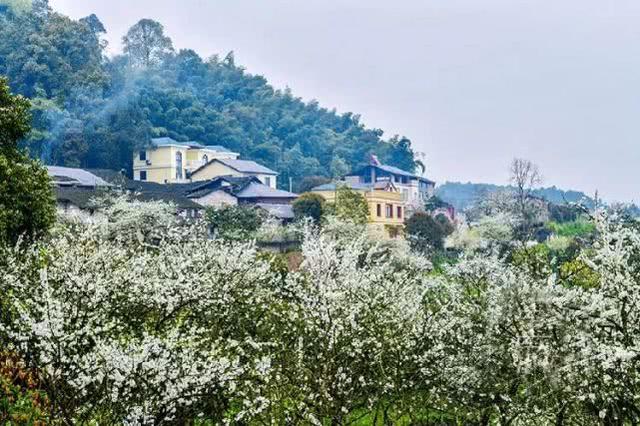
{"x":387,"y":208}
{"x":243,"y":190}
{"x":415,"y":190}
{"x":234,"y":167}
{"x":170,"y":161}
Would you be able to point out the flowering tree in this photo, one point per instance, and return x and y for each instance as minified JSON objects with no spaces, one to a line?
{"x":142,"y":319}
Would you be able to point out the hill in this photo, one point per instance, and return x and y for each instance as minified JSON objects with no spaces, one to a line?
{"x":463,"y":195}
{"x":93,"y":111}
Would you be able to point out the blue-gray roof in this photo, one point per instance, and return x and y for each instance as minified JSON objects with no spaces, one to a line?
{"x":218,"y":148}
{"x":247,"y":166}
{"x":280,"y":211}
{"x":69,"y":176}
{"x":258,"y":190}
{"x":165,"y":141}
{"x":334,"y":185}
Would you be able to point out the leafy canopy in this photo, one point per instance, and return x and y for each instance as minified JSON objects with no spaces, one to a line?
{"x":26,"y":200}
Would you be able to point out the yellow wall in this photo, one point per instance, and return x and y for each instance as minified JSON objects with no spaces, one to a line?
{"x":163,"y":164}
{"x":162,"y":167}
{"x":383,"y":198}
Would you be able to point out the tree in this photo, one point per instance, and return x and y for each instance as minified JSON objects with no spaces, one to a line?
{"x":234,"y":222}
{"x":146,"y":44}
{"x":351,"y":205}
{"x":309,"y":205}
{"x":426,"y":233}
{"x":27,"y":207}
{"x":525,"y":177}
{"x":309,"y":182}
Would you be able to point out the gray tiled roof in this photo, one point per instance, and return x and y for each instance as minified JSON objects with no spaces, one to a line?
{"x":218,"y":148}
{"x":333,"y":186}
{"x":247,"y":166}
{"x":280,"y":211}
{"x":164,"y":141}
{"x":258,"y":190}
{"x":68,"y":176}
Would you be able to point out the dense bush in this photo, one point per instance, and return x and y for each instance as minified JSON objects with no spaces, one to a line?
{"x":309,"y":205}
{"x":427,"y":233}
{"x":235,"y":222}
{"x":27,"y":208}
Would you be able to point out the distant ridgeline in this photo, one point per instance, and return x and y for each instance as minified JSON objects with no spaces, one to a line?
{"x":463,"y":195}
{"x":92,"y":111}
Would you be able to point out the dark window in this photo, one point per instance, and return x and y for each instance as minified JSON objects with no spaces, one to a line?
{"x":389,"y":210}
{"x":399,"y":212}
{"x":143,"y":155}
{"x":143,"y":175}
{"x":178,"y":165}
{"x":379,"y":210}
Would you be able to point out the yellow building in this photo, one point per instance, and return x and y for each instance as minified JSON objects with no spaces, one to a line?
{"x":169,"y":161}
{"x":387,"y":207}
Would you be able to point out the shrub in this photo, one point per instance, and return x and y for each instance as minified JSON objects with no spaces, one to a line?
{"x":309,"y":205}
{"x":425,"y":233}
{"x":27,"y":207}
{"x":234,"y":222}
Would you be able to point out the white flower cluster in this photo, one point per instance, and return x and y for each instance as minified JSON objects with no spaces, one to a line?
{"x":168,"y":326}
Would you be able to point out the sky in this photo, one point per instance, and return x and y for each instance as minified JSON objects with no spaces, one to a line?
{"x":472,"y":83}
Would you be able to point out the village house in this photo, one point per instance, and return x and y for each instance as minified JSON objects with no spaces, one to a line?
{"x":244,"y":190}
{"x":415,"y":190}
{"x":170,"y":161}
{"x":387,"y":208}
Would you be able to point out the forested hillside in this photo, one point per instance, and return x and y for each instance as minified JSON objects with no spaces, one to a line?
{"x":94,"y":111}
{"x":463,"y":195}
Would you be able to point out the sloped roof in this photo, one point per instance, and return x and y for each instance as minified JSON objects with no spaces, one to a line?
{"x":394,"y":170}
{"x":280,"y":211}
{"x":78,"y":196}
{"x":259,"y":190}
{"x":166,"y":141}
{"x":218,"y":148}
{"x":245,"y":166}
{"x":353,"y":185}
{"x":69,"y":176}
{"x":231,"y":184}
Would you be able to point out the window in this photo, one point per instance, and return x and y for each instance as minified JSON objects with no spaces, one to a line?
{"x":178,"y":165}
{"x":399,"y":212}
{"x":143,"y":155}
{"x":379,"y":210}
{"x":205,"y":159}
{"x":389,"y":211}
{"x":405,"y":194}
{"x":143,"y":175}
{"x":267,"y":180}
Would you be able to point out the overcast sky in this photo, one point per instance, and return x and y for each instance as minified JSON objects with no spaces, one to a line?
{"x":473,"y":83}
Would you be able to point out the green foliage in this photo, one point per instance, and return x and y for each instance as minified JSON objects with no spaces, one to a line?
{"x":578,"y":273}
{"x":27,"y":208}
{"x":434,"y":203}
{"x":21,"y":400}
{"x":145,"y":43}
{"x":426,"y":233}
{"x":536,"y":259}
{"x":309,"y":205}
{"x":350,"y":205}
{"x":309,"y":182}
{"x":234,"y":222}
{"x":576,"y":228}
{"x":94,"y":111}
